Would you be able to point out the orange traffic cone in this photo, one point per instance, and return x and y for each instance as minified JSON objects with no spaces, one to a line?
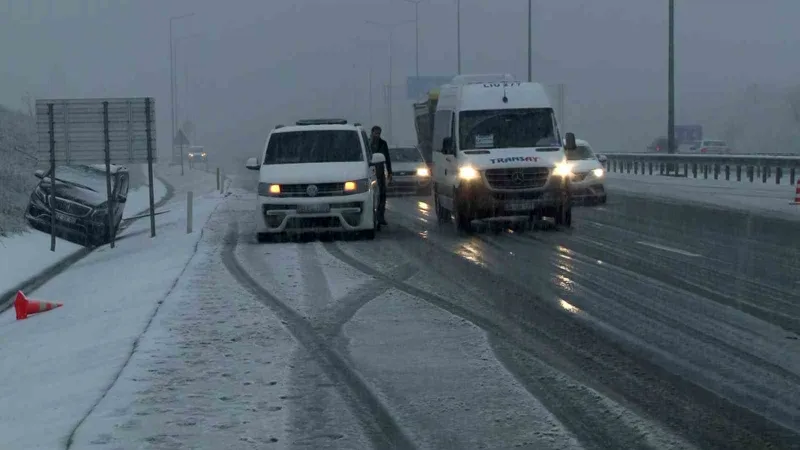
{"x":24,"y":306}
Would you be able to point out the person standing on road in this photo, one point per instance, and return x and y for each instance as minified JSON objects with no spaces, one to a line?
{"x":378,"y":145}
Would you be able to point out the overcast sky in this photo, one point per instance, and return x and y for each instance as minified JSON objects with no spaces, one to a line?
{"x":255,"y":63}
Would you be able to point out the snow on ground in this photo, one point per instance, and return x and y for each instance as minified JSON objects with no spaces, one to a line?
{"x":757,"y":197}
{"x":59,"y":363}
{"x":27,"y":254}
{"x":424,"y":363}
{"x":211,"y":372}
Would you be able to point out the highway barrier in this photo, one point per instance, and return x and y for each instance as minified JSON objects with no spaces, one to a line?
{"x":780,"y":169}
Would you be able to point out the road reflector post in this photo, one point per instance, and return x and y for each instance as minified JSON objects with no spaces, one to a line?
{"x":218,"y":188}
{"x":189,"y":212}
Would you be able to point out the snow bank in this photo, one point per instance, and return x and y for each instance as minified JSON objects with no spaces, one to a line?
{"x":758,"y":197}
{"x":27,"y":254}
{"x":58,"y":364}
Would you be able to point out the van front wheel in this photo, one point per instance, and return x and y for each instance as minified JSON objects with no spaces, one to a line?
{"x":461,"y":215}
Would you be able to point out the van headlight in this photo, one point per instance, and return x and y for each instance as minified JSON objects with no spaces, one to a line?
{"x":598,"y":172}
{"x":423,"y":172}
{"x":563,"y":169}
{"x":268,"y":189}
{"x":468,"y":173}
{"x":356,"y":187}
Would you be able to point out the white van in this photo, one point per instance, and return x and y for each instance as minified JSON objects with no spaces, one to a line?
{"x":497,"y":152}
{"x":318,"y":175}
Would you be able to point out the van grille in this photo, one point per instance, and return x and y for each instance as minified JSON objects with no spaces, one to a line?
{"x":517,"y":178}
{"x":323,"y":189}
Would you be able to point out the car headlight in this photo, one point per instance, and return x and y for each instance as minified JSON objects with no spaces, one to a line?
{"x":356,"y":187}
{"x":267,"y":189}
{"x":203,"y":155}
{"x":563,"y":169}
{"x":598,"y":172}
{"x":468,"y":173}
{"x":423,"y":172}
{"x":191,"y":155}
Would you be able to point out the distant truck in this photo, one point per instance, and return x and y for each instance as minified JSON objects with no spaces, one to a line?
{"x":423,"y":123}
{"x":684,"y":134}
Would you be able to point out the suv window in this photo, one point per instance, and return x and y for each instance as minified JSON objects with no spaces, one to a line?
{"x":313,"y":146}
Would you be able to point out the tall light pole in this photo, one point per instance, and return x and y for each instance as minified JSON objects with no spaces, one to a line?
{"x":671,"y":81}
{"x":530,"y":41}
{"x":390,"y":27}
{"x":458,"y":34}
{"x":416,"y":21}
{"x":172,"y":85}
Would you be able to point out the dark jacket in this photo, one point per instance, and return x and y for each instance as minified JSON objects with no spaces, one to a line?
{"x":382,"y":147}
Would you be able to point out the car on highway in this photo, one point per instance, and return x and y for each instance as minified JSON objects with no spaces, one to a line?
{"x":587,"y":183}
{"x":706,"y":146}
{"x":497,"y":153}
{"x":197,"y":155}
{"x":410,"y":172}
{"x":317,"y":176}
{"x":81,"y":202}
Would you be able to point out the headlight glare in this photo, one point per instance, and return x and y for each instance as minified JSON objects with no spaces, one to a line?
{"x":468,"y":173}
{"x":598,"y":172}
{"x":563,"y":169}
{"x":423,"y":172}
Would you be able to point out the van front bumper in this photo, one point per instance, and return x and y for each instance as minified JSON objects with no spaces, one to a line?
{"x":483,"y":202}
{"x":341,"y":213}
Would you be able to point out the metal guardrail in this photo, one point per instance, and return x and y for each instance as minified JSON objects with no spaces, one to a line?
{"x":764,"y":167}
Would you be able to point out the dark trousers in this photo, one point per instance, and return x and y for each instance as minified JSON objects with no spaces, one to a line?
{"x":381,"y":195}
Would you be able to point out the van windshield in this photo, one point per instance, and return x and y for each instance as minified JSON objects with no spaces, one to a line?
{"x":313,"y":146}
{"x":507,"y":128}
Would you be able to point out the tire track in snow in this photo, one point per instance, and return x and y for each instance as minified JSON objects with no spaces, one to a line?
{"x":377,"y":422}
{"x":593,"y":429}
{"x":333,"y":319}
{"x":589,"y":351}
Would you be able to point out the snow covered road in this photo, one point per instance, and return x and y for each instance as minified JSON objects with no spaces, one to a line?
{"x":650,"y":325}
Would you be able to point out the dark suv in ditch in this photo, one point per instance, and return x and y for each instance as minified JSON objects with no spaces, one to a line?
{"x":81,"y":203}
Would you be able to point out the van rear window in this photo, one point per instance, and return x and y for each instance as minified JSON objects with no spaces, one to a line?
{"x":313,"y":146}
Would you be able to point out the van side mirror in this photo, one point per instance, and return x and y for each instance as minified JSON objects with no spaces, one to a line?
{"x":602,"y":158}
{"x":447,"y":146}
{"x":252,"y":164}
{"x":377,"y":158}
{"x":39,"y":174}
{"x":570,"y":142}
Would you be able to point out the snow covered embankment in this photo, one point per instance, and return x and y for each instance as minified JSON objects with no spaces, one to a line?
{"x":28,"y":254}
{"x":59,"y":364}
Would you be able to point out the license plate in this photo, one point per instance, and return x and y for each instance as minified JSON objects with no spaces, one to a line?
{"x":65,"y":218}
{"x":315,"y":208}
{"x":518,"y":206}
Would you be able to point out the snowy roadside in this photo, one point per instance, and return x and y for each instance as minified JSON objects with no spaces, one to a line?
{"x":64,"y":360}
{"x":211,"y":371}
{"x":28,"y":254}
{"x":757,"y":197}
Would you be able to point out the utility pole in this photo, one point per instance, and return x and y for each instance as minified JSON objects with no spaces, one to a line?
{"x":671,"y":81}
{"x":530,"y":41}
{"x":391,"y":27}
{"x":458,"y":34}
{"x":172,"y":86}
{"x":416,"y":21}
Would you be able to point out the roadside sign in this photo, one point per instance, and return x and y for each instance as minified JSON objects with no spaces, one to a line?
{"x":180,"y":139}
{"x":79,"y":130}
{"x":88,"y":131}
{"x":688,"y":133}
{"x":419,"y":86}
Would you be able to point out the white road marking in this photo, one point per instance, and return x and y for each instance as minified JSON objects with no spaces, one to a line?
{"x":668,"y":249}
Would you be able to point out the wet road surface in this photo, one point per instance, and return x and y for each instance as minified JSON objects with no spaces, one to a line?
{"x":648,"y":325}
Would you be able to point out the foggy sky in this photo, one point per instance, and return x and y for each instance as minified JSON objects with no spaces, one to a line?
{"x":252,"y":64}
